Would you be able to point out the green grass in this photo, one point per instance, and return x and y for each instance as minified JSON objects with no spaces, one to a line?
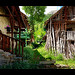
{"x":46,"y":54}
{"x":59,"y":58}
{"x":40,"y":53}
{"x":69,"y":62}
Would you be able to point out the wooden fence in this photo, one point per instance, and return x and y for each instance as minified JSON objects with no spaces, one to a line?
{"x":7,"y":45}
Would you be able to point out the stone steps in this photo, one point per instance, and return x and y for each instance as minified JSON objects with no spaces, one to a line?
{"x":6,"y":57}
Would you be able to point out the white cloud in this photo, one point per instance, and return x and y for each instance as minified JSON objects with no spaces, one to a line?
{"x":51,"y":8}
{"x":47,"y":10}
{"x":21,"y":9}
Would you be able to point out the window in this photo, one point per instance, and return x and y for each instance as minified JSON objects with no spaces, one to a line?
{"x":8,"y":29}
{"x":72,"y":42}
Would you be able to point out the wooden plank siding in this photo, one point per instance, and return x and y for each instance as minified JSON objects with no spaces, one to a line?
{"x":64,"y":41}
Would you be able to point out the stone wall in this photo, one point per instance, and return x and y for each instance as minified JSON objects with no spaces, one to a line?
{"x":6,"y":57}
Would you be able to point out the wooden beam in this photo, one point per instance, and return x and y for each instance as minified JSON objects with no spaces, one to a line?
{"x":11,"y":22}
{"x":65,"y":13}
{"x":19,"y":23}
{"x":3,"y":15}
{"x":54,"y":15}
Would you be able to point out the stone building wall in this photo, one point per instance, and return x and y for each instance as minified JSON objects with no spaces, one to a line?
{"x":4,"y":21}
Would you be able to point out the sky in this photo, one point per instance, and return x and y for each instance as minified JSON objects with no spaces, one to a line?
{"x":47,"y":10}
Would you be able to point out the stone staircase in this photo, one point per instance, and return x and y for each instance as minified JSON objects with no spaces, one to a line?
{"x":6,"y":58}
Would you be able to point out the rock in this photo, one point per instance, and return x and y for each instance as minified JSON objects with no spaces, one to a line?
{"x":47,"y":62}
{"x":59,"y":66}
{"x":18,"y":58}
{"x":7,"y":58}
{"x":6,"y":55}
{"x":64,"y":66}
{"x":53,"y":67}
{"x":12,"y":56}
{"x":1,"y":51}
{"x":12,"y":60}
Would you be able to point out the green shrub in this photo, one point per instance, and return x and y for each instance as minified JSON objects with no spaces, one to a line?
{"x":59,"y":57}
{"x":50,"y":55}
{"x":38,"y":34}
{"x":28,"y":53}
{"x":37,"y":56}
{"x":19,"y":65}
{"x":6,"y":66}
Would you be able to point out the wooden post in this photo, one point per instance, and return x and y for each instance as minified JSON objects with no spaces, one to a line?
{"x":22,"y":51}
{"x":54,"y":35}
{"x":11,"y":22}
{"x":66,"y":51}
{"x":16,"y":48}
{"x":65,"y":13}
{"x":19,"y":23}
{"x":53,"y":38}
{"x":2,"y":40}
{"x":50,"y":35}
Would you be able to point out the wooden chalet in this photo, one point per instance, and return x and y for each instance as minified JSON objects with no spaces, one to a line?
{"x":60,"y":29}
{"x":12,"y":16}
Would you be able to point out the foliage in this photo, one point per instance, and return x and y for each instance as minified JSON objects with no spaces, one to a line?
{"x":24,"y":35}
{"x":39,"y":29}
{"x":36,"y":13}
{"x":19,"y":65}
{"x":47,"y":16}
{"x":28,"y":53}
{"x":49,"y":55}
{"x":35,"y":45}
{"x":69,"y":62}
{"x":38,"y":34}
{"x":37,"y":57}
{"x":59,"y":57}
{"x":46,"y":54}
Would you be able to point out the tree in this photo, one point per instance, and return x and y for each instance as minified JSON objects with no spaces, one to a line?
{"x":36,"y":13}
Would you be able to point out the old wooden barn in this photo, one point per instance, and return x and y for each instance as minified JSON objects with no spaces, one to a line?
{"x":60,"y":29}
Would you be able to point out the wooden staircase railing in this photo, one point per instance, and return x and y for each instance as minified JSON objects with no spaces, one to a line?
{"x":6,"y":45}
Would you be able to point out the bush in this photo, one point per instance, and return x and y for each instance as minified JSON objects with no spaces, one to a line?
{"x":6,"y":66}
{"x":28,"y":53}
{"x":19,"y":65}
{"x":37,"y":56}
{"x":50,"y":55}
{"x":59,"y":57}
{"x":35,"y":45}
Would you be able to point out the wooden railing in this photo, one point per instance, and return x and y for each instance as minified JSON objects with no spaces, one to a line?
{"x":11,"y":45}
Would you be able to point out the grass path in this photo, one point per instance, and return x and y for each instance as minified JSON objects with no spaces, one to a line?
{"x":59,"y":60}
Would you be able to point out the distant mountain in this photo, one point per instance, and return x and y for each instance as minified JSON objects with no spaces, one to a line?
{"x":52,"y":12}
